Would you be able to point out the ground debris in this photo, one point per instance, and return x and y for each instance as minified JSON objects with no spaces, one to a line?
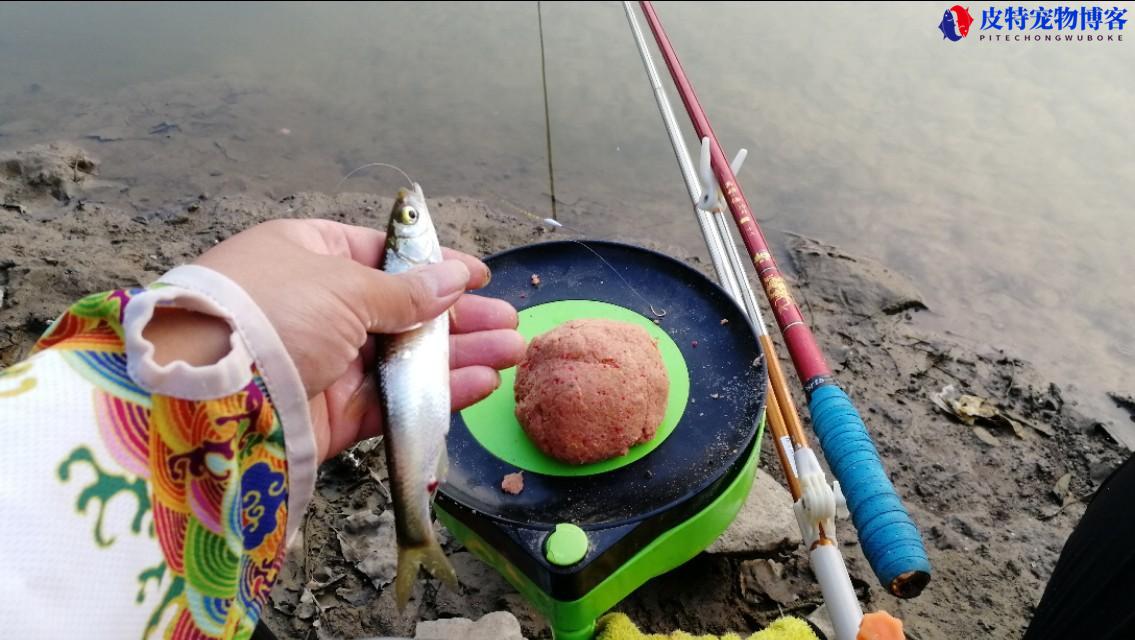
{"x":1063,"y":489}
{"x":986,"y":437}
{"x":368,"y":541}
{"x":971,"y":409}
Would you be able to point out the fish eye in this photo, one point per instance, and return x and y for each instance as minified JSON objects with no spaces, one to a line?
{"x":407,"y":215}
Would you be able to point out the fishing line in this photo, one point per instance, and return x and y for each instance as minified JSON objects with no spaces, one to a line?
{"x":555,"y":224}
{"x":373,"y":164}
{"x":547,"y":116}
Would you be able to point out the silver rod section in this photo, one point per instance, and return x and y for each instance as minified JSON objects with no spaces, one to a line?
{"x":748,"y":299}
{"x":722,"y":250}
{"x":713,"y":241}
{"x":827,"y":562}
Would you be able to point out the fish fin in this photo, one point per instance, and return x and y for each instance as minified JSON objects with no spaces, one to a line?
{"x":411,"y":559}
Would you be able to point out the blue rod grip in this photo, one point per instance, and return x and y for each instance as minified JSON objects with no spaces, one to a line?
{"x":890,"y":539}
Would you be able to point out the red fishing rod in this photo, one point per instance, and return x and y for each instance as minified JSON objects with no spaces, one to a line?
{"x":890,"y":539}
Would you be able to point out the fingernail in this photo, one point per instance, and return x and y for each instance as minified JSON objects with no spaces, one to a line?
{"x":446,"y":278}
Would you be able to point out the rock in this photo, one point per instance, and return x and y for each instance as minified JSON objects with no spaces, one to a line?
{"x":859,"y":285}
{"x":765,"y":524}
{"x":532,"y":623}
{"x":45,"y":172}
{"x":499,"y":625}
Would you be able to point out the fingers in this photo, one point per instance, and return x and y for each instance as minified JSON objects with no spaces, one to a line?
{"x":362,"y":400}
{"x":480,"y":274}
{"x":365,"y":245}
{"x":361,"y":244}
{"x":469,"y":385}
{"x":392,"y":303}
{"x":499,"y":349}
{"x":477,"y":313}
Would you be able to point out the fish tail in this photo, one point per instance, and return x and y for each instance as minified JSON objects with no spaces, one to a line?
{"x":410,"y":559}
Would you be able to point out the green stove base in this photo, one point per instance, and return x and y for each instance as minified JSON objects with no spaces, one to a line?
{"x":575,"y":620}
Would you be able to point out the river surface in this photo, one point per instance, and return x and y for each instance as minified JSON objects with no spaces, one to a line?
{"x":998,"y":175}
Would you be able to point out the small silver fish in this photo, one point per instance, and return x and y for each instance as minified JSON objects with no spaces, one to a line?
{"x":413,"y":372}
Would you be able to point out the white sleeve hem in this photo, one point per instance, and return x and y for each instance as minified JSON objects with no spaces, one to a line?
{"x":178,"y":379}
{"x":278,"y":371}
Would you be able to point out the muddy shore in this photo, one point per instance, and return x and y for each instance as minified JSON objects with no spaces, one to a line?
{"x":995,"y":499}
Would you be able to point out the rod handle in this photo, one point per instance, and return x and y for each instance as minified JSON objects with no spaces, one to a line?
{"x":889,"y":538}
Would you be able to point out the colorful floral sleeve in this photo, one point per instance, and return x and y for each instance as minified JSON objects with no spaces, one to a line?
{"x":135,"y":513}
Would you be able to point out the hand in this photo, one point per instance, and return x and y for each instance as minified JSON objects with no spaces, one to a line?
{"x":318,"y":283}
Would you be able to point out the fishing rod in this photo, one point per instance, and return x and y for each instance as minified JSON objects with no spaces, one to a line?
{"x":889,"y":538}
{"x":789,"y":440}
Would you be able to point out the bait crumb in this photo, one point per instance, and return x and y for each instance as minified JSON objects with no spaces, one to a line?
{"x":535,"y":280}
{"x":724,"y":321}
{"x":694,"y":344}
{"x":715,"y":396}
{"x":513,"y":483}
{"x":657,"y":322}
{"x":522,"y":296}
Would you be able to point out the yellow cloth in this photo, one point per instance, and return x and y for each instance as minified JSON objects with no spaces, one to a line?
{"x":617,"y":626}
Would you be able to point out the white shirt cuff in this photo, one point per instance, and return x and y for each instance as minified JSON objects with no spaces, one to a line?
{"x":254,"y":339}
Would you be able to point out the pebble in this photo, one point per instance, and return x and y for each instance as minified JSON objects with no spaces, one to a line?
{"x":499,"y":625}
{"x":765,"y":524}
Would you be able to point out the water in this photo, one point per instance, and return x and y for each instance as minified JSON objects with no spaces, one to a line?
{"x":999,"y":176}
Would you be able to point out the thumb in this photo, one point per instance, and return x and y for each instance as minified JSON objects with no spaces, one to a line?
{"x":395,"y":303}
